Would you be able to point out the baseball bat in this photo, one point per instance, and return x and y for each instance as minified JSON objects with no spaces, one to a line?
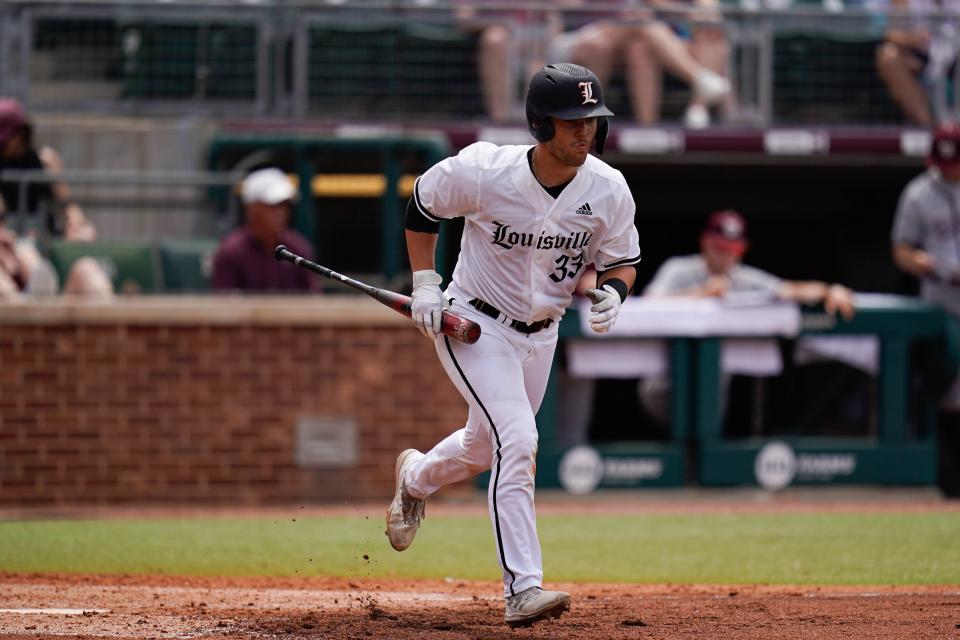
{"x":451,"y":324}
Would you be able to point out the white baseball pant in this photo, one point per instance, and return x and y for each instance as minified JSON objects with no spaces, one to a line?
{"x":503,"y":377}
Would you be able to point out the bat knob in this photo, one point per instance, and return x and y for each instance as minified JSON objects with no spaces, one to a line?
{"x":279,"y":251}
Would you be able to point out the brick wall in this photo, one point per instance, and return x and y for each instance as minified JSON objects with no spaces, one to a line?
{"x":135,"y":402}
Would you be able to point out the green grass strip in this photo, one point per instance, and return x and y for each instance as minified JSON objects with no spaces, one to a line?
{"x":809,"y":548}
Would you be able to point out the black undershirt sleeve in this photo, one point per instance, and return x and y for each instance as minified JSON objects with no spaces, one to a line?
{"x":416,"y":221}
{"x":619,"y":285}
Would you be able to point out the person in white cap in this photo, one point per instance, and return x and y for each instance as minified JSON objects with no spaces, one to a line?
{"x":244,"y":260}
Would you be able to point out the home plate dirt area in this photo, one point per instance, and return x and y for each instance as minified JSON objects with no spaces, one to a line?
{"x":85,"y":606}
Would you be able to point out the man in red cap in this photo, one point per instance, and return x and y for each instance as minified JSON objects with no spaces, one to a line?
{"x":717,"y":271}
{"x":926,"y":244}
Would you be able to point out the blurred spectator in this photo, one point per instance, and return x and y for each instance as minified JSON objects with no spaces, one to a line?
{"x":244,"y":260}
{"x":926,"y":227}
{"x":12,"y":277}
{"x":49,"y":210}
{"x":509,"y":50}
{"x":717,"y":272}
{"x":918,"y":52}
{"x":692,"y":46}
{"x":926,"y":244}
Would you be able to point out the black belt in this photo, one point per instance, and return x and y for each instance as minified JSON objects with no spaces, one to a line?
{"x":522,"y":327}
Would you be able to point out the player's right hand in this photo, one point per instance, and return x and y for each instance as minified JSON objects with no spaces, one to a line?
{"x":428,"y":302}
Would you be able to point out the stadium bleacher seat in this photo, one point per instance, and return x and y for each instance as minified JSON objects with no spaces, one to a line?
{"x":232,"y":62}
{"x":186,"y":264}
{"x":164,"y":60}
{"x":130,"y":265}
{"x":829,"y":77}
{"x":159,"y":60}
{"x":393,"y":70}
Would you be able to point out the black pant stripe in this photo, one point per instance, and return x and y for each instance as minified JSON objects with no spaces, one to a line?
{"x":496,"y":475}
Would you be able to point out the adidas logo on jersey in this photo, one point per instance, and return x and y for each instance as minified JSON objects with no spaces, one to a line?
{"x":585,"y":210}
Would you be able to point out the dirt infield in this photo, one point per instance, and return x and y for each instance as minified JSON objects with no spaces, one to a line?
{"x":43,"y":606}
{"x":140,"y":607}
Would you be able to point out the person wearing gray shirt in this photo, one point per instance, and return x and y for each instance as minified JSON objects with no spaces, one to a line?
{"x":926,"y":227}
{"x":717,"y":272}
{"x":926,"y":244}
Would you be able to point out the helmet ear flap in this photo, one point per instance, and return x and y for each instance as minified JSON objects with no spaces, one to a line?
{"x":541,"y":128}
{"x":547,"y":130}
{"x":603,"y":128}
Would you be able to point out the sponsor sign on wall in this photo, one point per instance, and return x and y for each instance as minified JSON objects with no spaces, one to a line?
{"x":777,"y":466}
{"x":583,"y":469}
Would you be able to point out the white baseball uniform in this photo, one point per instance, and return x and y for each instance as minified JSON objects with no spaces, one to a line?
{"x":522,"y":253}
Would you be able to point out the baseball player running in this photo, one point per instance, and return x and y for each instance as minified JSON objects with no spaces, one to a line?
{"x":535,"y":216}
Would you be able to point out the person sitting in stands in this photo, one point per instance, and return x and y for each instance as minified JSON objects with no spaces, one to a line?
{"x":49,"y":211}
{"x":244,"y":260}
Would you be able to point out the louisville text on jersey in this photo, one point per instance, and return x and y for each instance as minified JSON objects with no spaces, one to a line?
{"x":504,"y":237}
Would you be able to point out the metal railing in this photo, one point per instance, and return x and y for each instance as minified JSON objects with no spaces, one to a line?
{"x":135,"y":204}
{"x":356,"y":60}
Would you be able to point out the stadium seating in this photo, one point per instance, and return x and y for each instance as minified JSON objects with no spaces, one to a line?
{"x":168,"y":265}
{"x":390,"y":70}
{"x":131,"y":265}
{"x":186,"y":264}
{"x":189,"y":60}
{"x":376,"y":65}
{"x":822,"y":77}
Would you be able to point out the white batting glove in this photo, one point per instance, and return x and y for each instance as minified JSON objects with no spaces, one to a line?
{"x":428,"y":302}
{"x":605,"y":309}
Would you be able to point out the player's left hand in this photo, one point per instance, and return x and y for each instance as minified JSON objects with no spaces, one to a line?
{"x":605,"y":309}
{"x":428,"y":302}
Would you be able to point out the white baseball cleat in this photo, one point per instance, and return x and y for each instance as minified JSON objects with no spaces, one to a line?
{"x":535,"y":604}
{"x":710,"y":87}
{"x":405,"y":512}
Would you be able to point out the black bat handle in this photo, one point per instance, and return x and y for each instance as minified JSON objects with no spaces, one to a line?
{"x":282,"y":253}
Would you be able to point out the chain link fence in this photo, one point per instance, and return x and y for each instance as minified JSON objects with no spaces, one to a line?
{"x":151,"y":59}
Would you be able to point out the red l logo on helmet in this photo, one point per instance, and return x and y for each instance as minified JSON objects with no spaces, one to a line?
{"x":586,"y":90}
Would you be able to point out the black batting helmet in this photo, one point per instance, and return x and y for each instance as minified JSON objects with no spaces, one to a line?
{"x":568,"y":92}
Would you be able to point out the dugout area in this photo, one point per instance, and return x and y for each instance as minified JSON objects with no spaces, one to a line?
{"x":820,"y":218}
